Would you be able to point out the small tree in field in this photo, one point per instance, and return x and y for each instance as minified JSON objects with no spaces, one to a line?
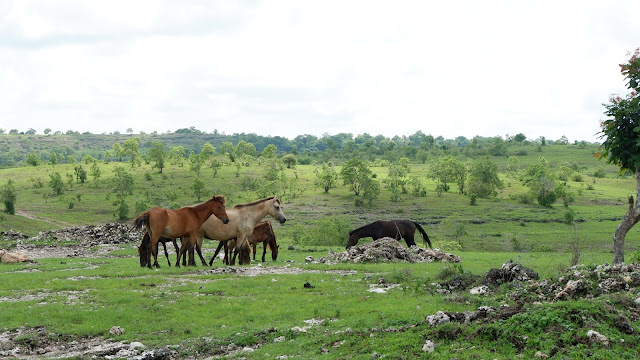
{"x":621,"y":145}
{"x":326,"y":177}
{"x":8,"y":195}
{"x":354,"y":173}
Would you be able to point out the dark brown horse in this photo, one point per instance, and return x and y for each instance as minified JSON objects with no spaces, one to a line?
{"x":181,"y":223}
{"x":145,"y":254}
{"x":262,"y":233}
{"x":396,"y":229}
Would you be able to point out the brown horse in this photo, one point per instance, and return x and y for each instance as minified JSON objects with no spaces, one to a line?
{"x":262,"y":233}
{"x":242,"y":221}
{"x":396,"y":229}
{"x":145,"y":254}
{"x":181,"y":223}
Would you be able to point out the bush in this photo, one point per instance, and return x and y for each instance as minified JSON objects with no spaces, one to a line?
{"x":326,"y":231}
{"x":600,"y":173}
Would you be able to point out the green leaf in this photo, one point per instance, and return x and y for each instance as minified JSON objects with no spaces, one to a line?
{"x":633,"y":83}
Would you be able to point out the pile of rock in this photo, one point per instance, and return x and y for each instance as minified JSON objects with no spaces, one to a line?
{"x":14,"y":257}
{"x":90,"y":235}
{"x":510,"y":271}
{"x":387,"y":250}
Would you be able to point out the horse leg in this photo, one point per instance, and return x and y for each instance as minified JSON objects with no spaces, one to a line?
{"x":264,"y":251}
{"x":154,"y":251}
{"x":184,"y":244}
{"x":220,"y":244}
{"x":175,"y":245}
{"x":199,"y":250}
{"x":255,"y":245}
{"x":166,"y":253}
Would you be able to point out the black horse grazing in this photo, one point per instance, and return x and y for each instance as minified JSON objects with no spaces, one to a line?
{"x":396,"y":229}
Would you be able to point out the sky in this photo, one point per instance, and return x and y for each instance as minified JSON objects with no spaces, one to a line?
{"x":289,"y":68}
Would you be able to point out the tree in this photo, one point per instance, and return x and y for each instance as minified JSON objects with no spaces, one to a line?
{"x":122,"y":183}
{"x":118,"y":151}
{"x":621,"y":145}
{"x":326,"y":177}
{"x":195,"y":162}
{"x":53,"y":160}
{"x":81,"y":174}
{"x":483,"y":178}
{"x":8,"y":196}
{"x":227,"y":148}
{"x":290,"y":160}
{"x":177,"y":155}
{"x":519,"y":138}
{"x":47,"y":131}
{"x":131,"y":148}
{"x":198,"y":188}
{"x":157,"y":155}
{"x":446,"y":170}
{"x":33,"y":159}
{"x":95,"y":172}
{"x":56,"y":183}
{"x":207,"y":150}
{"x":354,"y":173}
{"x":269,"y":152}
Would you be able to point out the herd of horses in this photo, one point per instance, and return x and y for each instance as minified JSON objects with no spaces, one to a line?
{"x":239,"y":230}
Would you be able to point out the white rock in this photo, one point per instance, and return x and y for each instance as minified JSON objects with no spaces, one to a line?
{"x":480,"y":290}
{"x":136,"y":345}
{"x":429,"y":346}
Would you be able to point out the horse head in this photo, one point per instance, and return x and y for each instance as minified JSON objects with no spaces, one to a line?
{"x":218,"y":209}
{"x":353,"y":239}
{"x":276,"y":212}
{"x":143,"y":250}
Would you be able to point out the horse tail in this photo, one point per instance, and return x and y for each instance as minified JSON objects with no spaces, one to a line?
{"x":143,"y":219}
{"x":425,"y":237}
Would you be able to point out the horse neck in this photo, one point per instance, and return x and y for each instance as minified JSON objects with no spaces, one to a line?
{"x":204,"y":210}
{"x":254,"y":215}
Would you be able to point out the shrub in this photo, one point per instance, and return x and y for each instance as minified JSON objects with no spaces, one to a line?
{"x":326,"y":231}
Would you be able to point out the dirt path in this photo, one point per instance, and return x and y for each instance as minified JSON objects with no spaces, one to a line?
{"x":47,"y":220}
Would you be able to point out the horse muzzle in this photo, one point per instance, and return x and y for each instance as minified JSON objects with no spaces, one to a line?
{"x":225,"y":221}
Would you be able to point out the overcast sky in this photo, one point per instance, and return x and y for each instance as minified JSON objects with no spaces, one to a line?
{"x":287,"y":68}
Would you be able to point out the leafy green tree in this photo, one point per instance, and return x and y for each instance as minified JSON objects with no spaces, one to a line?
{"x":446,"y":170}
{"x":33,"y":159}
{"x":621,"y":145}
{"x":208,"y":150}
{"x":131,"y":148}
{"x":227,"y":149}
{"x":95,"y":172}
{"x":326,"y":177}
{"x":47,"y":131}
{"x":195,"y":163}
{"x":157,"y":154}
{"x":198,"y":188}
{"x":483,"y":178}
{"x":216,"y":164}
{"x":122,"y":183}
{"x":290,"y":160}
{"x":354,"y":173}
{"x":542,"y":181}
{"x":53,"y":160}
{"x":55,"y":183}
{"x":513,"y":166}
{"x":71,"y":159}
{"x":396,"y":181}
{"x":118,"y":151}
{"x":269,"y":152}
{"x":370,"y":189}
{"x":177,"y":155}
{"x":81,"y":174}
{"x":88,"y":159}
{"x":8,"y":195}
{"x":245,"y":148}
{"x":519,"y":138}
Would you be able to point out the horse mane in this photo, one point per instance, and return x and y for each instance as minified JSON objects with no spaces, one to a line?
{"x":253,"y":203}
{"x":362,"y":227}
{"x":219,"y":198}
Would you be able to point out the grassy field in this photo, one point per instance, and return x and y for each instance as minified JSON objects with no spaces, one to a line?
{"x":202,"y":309}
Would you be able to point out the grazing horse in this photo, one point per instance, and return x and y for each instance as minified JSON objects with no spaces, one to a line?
{"x":145,"y":254}
{"x":181,"y":223}
{"x":242,"y":221}
{"x":396,"y":229}
{"x":262,"y":233}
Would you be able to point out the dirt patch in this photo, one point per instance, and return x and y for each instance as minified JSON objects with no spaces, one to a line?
{"x":272,"y":270}
{"x":387,"y":250}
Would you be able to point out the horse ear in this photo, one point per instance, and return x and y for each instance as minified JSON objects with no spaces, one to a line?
{"x":220,"y":198}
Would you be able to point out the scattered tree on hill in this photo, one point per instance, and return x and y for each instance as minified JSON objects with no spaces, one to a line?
{"x":55,"y":183}
{"x":118,"y":151}
{"x":122,"y":186}
{"x":177,"y":155}
{"x":157,"y":155}
{"x":290,"y":160}
{"x":33,"y":159}
{"x":53,"y":160}
{"x":131,"y":148}
{"x":8,"y":195}
{"x":621,"y":145}
{"x":95,"y":172}
{"x":483,"y":178}
{"x":195,"y":162}
{"x":326,"y":177}
{"x":447,"y":170}
{"x":198,"y":188}
{"x":208,"y":151}
{"x":81,"y":174}
{"x":354,"y":173}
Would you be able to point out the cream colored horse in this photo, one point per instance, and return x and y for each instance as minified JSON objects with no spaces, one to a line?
{"x":242,"y":221}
